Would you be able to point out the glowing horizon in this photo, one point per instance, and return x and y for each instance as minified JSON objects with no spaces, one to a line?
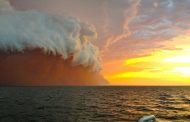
{"x":138,"y":42}
{"x":166,"y":67}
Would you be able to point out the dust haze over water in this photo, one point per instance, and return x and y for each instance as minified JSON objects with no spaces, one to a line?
{"x":29,"y":38}
{"x":41,"y":46}
{"x":143,"y":31}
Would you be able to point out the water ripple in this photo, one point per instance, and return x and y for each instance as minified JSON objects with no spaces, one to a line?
{"x":94,"y":104}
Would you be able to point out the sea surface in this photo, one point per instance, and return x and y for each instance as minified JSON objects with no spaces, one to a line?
{"x":94,"y":104}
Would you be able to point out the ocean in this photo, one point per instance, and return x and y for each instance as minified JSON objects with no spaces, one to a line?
{"x":94,"y":104}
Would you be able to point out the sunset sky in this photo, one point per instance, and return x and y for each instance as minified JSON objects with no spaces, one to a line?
{"x":141,"y":42}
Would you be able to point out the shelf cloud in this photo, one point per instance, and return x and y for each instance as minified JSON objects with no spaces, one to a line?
{"x":56,"y":34}
{"x":29,"y":39}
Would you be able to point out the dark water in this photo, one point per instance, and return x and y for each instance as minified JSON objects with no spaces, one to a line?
{"x":93,"y":104}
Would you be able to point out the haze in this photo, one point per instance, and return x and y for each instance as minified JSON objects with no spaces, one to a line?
{"x":141,"y":42}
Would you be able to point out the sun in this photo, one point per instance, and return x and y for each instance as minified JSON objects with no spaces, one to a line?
{"x":182,"y":64}
{"x":185,"y":71}
{"x":178,"y":59}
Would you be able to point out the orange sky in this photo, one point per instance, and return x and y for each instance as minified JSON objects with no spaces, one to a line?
{"x":142,"y":42}
{"x":161,"y":67}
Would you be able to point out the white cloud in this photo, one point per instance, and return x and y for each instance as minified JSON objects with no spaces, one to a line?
{"x":57,"y":34}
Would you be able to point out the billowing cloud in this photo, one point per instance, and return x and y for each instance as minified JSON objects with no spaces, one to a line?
{"x":124,"y":21}
{"x":125,"y":28}
{"x":56,"y":34}
{"x":39,"y":48}
{"x":111,"y":18}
